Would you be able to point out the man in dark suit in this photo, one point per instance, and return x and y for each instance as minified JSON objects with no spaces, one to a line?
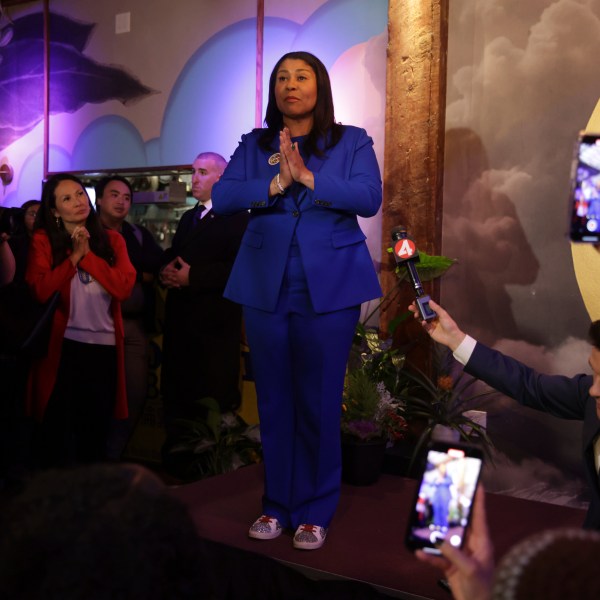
{"x":574,"y":398}
{"x":201,"y":343}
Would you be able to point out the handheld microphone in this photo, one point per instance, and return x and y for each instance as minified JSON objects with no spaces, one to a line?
{"x":405,"y":253}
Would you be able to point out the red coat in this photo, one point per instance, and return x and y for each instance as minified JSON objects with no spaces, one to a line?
{"x":117,"y":280}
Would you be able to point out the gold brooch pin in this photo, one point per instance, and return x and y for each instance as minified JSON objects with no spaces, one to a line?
{"x":274,"y":158}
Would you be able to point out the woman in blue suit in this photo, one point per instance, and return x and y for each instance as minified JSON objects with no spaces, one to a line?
{"x":301,"y":273}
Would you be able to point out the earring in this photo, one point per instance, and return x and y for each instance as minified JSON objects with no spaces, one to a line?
{"x":57,"y":219}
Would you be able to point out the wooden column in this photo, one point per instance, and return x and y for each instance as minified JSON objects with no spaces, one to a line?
{"x":414,"y":139}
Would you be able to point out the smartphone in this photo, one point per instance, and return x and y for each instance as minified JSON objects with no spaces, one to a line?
{"x":442,"y":506}
{"x":584,"y":200}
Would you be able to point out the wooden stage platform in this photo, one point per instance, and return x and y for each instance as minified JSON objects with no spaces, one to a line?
{"x":363,"y":556}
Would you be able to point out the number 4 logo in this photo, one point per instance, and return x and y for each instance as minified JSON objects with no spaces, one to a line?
{"x":405,"y":248}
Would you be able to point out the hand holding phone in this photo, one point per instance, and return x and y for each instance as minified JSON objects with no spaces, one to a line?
{"x":444,"y":499}
{"x":469,"y":572}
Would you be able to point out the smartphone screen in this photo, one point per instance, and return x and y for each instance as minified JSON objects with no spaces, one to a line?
{"x":584,"y":205}
{"x":442,"y":507}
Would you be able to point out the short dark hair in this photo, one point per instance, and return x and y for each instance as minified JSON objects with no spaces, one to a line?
{"x":29,"y":203}
{"x":96,"y":532}
{"x":101,"y":185}
{"x":594,"y":334}
{"x":325,"y":128}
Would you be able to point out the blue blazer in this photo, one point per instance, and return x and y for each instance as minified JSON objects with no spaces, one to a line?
{"x":335,"y":257}
{"x":563,"y":397}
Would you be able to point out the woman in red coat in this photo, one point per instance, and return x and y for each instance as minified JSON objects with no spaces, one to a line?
{"x":79,"y":386}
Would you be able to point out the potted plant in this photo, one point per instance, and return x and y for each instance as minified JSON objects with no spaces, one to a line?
{"x":385,"y":397}
{"x":211,"y":442}
{"x":371,"y":419}
{"x":428,"y":402}
{"x":445,"y":400}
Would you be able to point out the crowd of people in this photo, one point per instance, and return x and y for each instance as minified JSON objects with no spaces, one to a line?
{"x":86,"y":391}
{"x":275,"y":235}
{"x":274,"y":239}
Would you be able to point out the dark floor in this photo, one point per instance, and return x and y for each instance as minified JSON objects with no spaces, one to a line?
{"x":365,"y":541}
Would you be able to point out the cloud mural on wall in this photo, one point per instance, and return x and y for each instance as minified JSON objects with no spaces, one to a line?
{"x":522,"y":80}
{"x":75,"y":79}
{"x":526,"y":90}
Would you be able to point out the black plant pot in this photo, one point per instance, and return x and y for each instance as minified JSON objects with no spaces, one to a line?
{"x":362,"y":461}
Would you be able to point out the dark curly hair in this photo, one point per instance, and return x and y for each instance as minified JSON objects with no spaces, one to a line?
{"x":324,"y":130}
{"x":60,"y":240}
{"x":99,"y":532}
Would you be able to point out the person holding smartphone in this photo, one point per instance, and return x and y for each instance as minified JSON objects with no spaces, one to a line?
{"x":469,"y":572}
{"x":574,"y":398}
{"x":553,"y":563}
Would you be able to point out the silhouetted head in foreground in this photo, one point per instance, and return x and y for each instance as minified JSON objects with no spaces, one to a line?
{"x":98,"y":532}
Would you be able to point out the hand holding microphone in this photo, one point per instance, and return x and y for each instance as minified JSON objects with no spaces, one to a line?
{"x":405,"y":253}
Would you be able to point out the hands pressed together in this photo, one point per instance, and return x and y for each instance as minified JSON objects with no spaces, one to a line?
{"x":291,"y":165}
{"x":81,"y":244}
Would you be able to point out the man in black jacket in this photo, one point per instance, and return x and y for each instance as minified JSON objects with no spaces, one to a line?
{"x":202,"y":331}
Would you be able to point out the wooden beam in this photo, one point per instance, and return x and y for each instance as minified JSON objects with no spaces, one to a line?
{"x":414,"y":137}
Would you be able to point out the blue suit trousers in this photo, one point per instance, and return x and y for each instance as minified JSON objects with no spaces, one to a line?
{"x":299,"y":361}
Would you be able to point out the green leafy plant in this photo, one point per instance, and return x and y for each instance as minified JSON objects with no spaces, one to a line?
{"x":369,"y":411}
{"x":377,"y":357}
{"x":418,"y":398}
{"x":211,"y":443}
{"x":444,"y":400}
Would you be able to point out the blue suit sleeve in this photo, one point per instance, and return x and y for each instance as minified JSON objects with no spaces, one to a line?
{"x":238,"y":189}
{"x":358,"y":189}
